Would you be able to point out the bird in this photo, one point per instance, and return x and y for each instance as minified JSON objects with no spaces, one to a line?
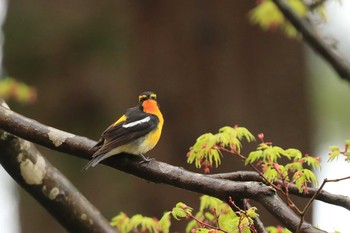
{"x":136,"y":132}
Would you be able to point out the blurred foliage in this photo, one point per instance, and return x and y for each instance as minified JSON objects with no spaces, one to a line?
{"x":11,"y":89}
{"x":213,"y":216}
{"x":269,"y":17}
{"x":335,"y":152}
{"x":278,"y":229}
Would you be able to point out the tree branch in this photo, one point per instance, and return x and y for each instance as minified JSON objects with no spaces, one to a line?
{"x":340,"y":65}
{"x":334,"y":199}
{"x":49,"y":187}
{"x":154,"y":171}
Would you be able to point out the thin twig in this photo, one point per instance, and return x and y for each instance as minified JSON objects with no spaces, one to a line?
{"x":308,"y":205}
{"x":333,"y":199}
{"x":313,"y":6}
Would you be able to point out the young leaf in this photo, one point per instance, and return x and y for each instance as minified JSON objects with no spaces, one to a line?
{"x":310,"y":176}
{"x":251,"y":212}
{"x":278,"y":229}
{"x":335,"y":152}
{"x":121,"y":221}
{"x":271,"y":174}
{"x":253,"y":157}
{"x":191,"y":225}
{"x":293,"y":154}
{"x":311,"y":161}
{"x":294,"y":166}
{"x":181,"y":210}
{"x":164,"y":223}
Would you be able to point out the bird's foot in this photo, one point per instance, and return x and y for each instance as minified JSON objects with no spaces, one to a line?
{"x":145,"y":159}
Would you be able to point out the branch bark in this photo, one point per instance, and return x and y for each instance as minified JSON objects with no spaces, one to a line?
{"x":49,"y":187}
{"x":154,"y":171}
{"x":339,"y":64}
{"x":333,"y":199}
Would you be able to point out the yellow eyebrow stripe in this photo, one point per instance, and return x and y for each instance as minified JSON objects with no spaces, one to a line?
{"x":142,"y":97}
{"x":123,"y":118}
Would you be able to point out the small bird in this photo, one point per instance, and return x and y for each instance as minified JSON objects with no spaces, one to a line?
{"x":136,"y":132}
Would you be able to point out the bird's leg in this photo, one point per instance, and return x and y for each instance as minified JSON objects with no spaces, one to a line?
{"x":145,"y":159}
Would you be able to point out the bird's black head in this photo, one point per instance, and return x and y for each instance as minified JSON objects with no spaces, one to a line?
{"x":146,"y":96}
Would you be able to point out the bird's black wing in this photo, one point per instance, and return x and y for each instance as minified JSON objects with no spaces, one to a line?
{"x":136,"y":125}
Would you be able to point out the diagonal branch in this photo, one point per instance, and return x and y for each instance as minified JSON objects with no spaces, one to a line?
{"x":153,"y":171}
{"x":49,"y":187}
{"x":339,"y":64}
{"x":334,"y":199}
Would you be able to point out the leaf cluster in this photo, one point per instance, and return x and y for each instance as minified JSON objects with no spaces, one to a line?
{"x":138,"y":223}
{"x":268,"y":156}
{"x":335,"y":152}
{"x":213,"y":216}
{"x":207,"y":149}
{"x":278,"y":229}
{"x":269,"y":17}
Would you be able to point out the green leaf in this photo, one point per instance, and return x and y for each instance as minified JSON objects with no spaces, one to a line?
{"x":134,"y":222}
{"x":251,"y":212}
{"x":181,"y":210}
{"x":216,"y":155}
{"x":347,"y":154}
{"x":303,"y":177}
{"x":253,"y":157}
{"x":229,"y":135}
{"x":227,"y":223}
{"x":271,"y":174}
{"x":293,"y":153}
{"x":347,"y":143}
{"x":121,"y":221}
{"x":294,"y":166}
{"x":272,"y":153}
{"x":310,"y":176}
{"x":244,"y":133}
{"x":279,"y":229}
{"x":312,"y":161}
{"x":335,"y":152}
{"x":208,"y":202}
{"x":149,"y":224}
{"x":209,"y":216}
{"x":191,"y":225}
{"x":202,"y":230}
{"x":18,"y":91}
{"x":333,"y":155}
{"x":165,"y":223}
{"x":269,"y":17}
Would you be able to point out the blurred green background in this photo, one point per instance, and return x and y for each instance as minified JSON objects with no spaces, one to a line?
{"x":89,"y":60}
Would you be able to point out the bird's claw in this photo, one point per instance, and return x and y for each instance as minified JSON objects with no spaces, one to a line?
{"x":145,"y":159}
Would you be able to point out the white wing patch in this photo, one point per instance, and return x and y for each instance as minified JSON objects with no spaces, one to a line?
{"x":139,"y":122}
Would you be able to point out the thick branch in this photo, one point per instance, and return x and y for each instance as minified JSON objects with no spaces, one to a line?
{"x":277,"y":207}
{"x":339,"y":64}
{"x":334,"y":199}
{"x":153,"y":171}
{"x":49,"y":187}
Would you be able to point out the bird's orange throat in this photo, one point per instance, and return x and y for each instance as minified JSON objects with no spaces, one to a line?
{"x":151,"y":106}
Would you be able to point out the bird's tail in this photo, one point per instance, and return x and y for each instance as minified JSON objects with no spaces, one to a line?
{"x":94,"y":161}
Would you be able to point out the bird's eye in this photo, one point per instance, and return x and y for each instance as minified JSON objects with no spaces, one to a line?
{"x":153,"y":96}
{"x":142,"y":98}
